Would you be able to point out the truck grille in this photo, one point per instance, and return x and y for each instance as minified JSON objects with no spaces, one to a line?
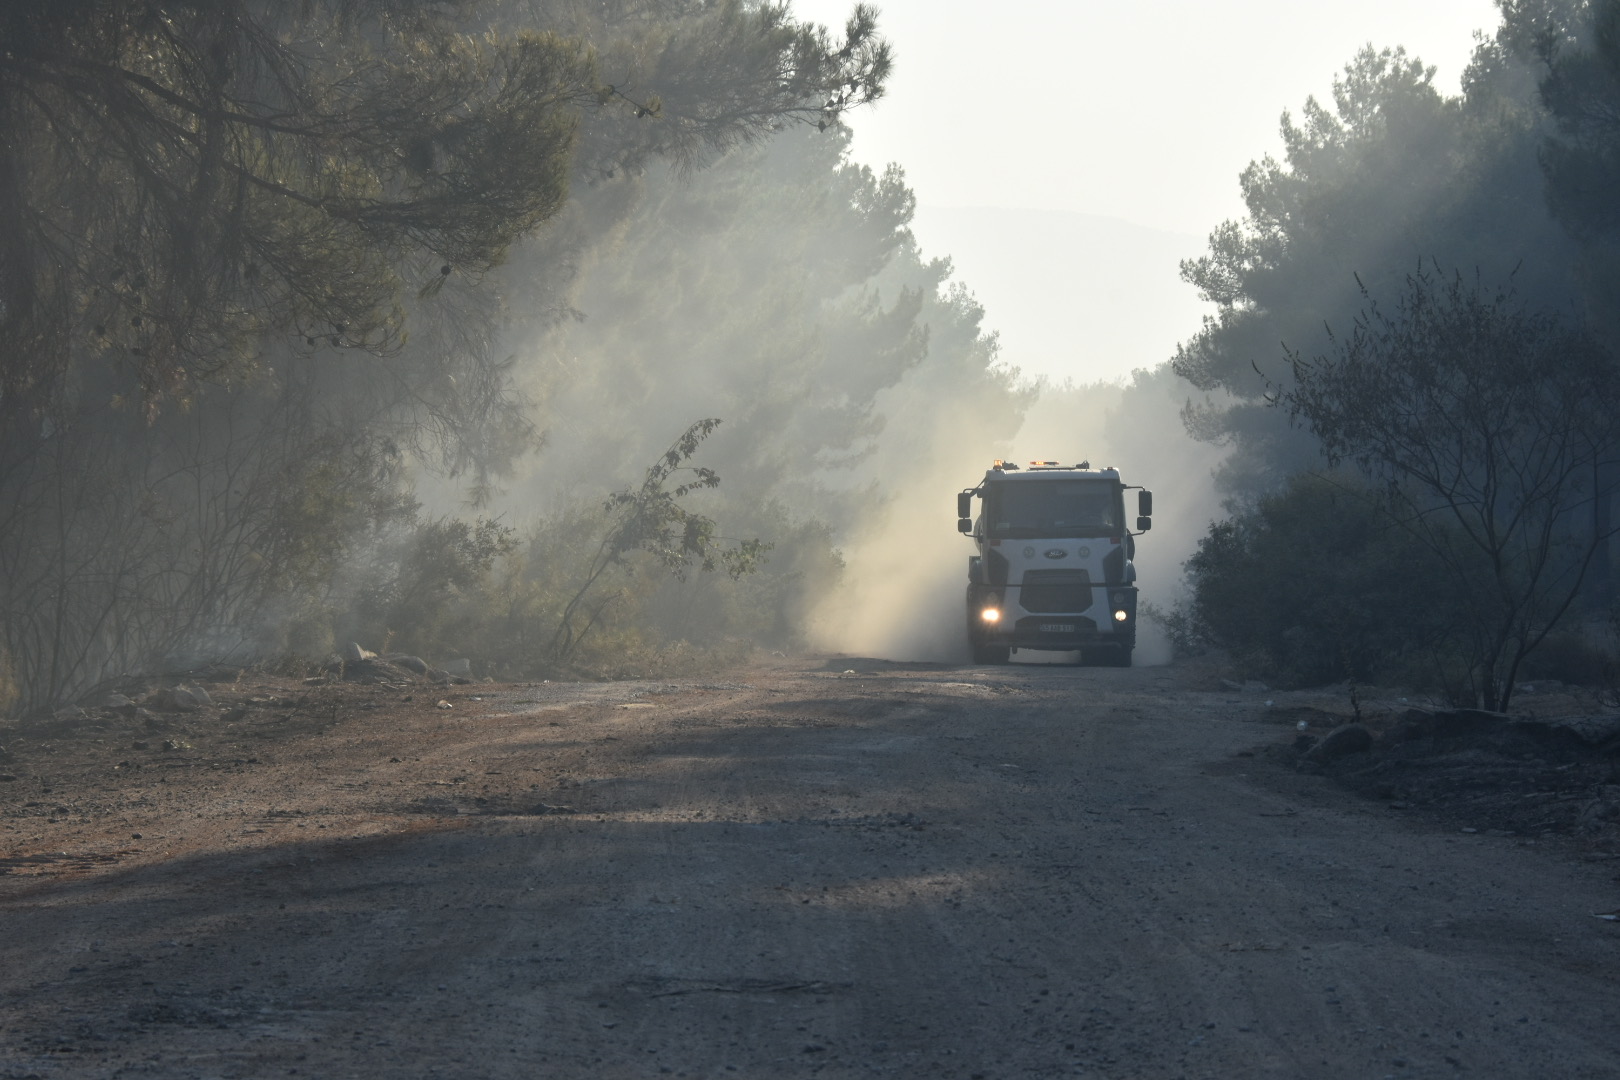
{"x":1055,"y":590}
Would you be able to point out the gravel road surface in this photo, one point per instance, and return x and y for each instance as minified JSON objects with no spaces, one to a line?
{"x":819,"y":868}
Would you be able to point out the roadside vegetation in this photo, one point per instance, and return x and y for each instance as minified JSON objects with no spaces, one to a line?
{"x":1414,"y":362}
{"x":567,"y":337}
{"x":296,"y":299}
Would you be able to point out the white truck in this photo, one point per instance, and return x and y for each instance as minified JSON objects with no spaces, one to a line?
{"x":1055,"y":566}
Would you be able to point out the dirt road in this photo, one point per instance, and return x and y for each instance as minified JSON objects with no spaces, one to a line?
{"x":837,"y":870}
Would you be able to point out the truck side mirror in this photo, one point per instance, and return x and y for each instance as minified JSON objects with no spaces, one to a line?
{"x":964,"y":505}
{"x":964,"y":525}
{"x":1144,"y":506}
{"x":1143,"y":524}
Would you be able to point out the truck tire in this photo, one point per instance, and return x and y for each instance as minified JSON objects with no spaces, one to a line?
{"x":991,"y":654}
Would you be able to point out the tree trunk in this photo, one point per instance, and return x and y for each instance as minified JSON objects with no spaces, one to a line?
{"x":1602,"y":525}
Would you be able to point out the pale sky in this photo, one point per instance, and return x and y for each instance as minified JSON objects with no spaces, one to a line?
{"x":1141,"y":112}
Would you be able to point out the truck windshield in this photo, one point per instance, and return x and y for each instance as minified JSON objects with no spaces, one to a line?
{"x":1056,"y":507}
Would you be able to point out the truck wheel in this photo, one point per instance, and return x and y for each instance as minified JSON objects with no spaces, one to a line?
{"x":1121,"y":657}
{"x":991,"y":654}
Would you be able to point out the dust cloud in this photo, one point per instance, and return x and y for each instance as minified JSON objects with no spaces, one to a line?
{"x":902,"y":595}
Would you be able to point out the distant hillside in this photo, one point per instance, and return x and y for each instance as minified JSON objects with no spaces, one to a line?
{"x":1073,"y":295}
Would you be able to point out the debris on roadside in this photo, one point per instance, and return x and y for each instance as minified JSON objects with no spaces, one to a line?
{"x":1484,"y":772}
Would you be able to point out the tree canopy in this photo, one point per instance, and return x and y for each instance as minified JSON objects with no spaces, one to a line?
{"x":1390,"y":177}
{"x":1495,"y":431}
{"x":1425,"y":285}
{"x":248,"y":272}
{"x":180,"y":180}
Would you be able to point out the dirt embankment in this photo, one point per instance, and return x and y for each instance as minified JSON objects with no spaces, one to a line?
{"x":813,"y":869}
{"x":1556,"y":774}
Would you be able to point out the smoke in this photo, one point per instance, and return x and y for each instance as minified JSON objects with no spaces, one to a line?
{"x":903,"y":592}
{"x":858,"y":396}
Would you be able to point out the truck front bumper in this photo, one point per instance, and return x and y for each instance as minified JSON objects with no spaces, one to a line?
{"x":994,"y":618}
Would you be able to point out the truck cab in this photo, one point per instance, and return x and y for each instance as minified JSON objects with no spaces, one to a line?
{"x":1055,"y":565}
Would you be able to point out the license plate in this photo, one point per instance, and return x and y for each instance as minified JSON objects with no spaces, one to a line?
{"x":1057,"y":628}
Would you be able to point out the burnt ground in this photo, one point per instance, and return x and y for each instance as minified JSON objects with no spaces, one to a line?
{"x":1553,"y":775}
{"x":830,"y":868}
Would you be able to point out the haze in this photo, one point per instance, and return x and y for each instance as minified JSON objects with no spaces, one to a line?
{"x":479,"y":426}
{"x":1117,"y":133}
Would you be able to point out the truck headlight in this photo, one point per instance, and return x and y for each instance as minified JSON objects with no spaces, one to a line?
{"x":1121,"y":616}
{"x":990,"y":614}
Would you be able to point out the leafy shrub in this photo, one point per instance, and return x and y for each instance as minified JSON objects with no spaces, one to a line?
{"x":1579,"y":657}
{"x":429,"y":588}
{"x":1316,"y":584}
{"x":604,"y":587}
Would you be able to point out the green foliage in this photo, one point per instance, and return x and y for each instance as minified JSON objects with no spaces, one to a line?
{"x":1494,"y":430}
{"x":132,"y":545}
{"x":428,"y":590}
{"x":1485,"y":423}
{"x":1581,"y":87}
{"x":769,"y":607}
{"x":603,"y":587}
{"x":1317,"y":584}
{"x":686,"y":81}
{"x":1578,"y":657}
{"x":1582,"y":155}
{"x":651,"y":520}
{"x":184,"y":180}
{"x":1390,"y":176}
{"x":249,"y":270}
